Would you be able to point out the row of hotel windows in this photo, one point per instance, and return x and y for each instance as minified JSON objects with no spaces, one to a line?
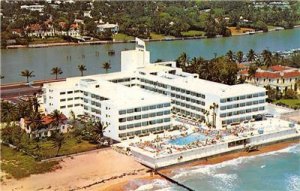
{"x":143,"y":124}
{"x":153,"y":89}
{"x":187,"y":113}
{"x":174,"y":88}
{"x":144,"y":116}
{"x":188,"y":99}
{"x":188,"y":106}
{"x":166,"y":127}
{"x":70,"y":99}
{"x":122,"y":80}
{"x":146,"y":108}
{"x":242,"y":104}
{"x":229,"y":121}
{"x":70,"y":106}
{"x":70,"y":92}
{"x":241,"y":112}
{"x":243,"y":97}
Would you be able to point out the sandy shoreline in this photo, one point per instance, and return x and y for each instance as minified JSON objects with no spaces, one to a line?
{"x":213,"y":160}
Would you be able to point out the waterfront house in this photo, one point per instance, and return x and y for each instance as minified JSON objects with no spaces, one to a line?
{"x":40,"y":31}
{"x":46,"y":126}
{"x":36,"y":7}
{"x":73,"y":30}
{"x":102,"y":27}
{"x":277,"y":77}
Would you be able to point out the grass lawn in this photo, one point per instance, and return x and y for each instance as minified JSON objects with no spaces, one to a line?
{"x":239,"y":32}
{"x":47,"y":40}
{"x":70,"y":146}
{"x":289,"y":102}
{"x":122,"y":37}
{"x":20,"y":165}
{"x":271,"y":27}
{"x":192,"y":33}
{"x":156,"y":36}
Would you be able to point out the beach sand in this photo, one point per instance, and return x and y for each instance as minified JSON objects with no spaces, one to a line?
{"x":212,"y":160}
{"x":80,"y":171}
{"x":86,"y":171}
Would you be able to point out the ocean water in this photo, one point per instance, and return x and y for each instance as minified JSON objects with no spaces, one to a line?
{"x":273,"y":171}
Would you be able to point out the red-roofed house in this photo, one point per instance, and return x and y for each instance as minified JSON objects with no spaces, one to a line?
{"x":37,"y":30}
{"x":278,"y":77}
{"x":74,"y":30}
{"x":46,"y":126}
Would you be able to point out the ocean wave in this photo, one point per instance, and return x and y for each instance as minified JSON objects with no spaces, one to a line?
{"x":157,"y":184}
{"x":225,"y":181}
{"x":184,"y":173}
{"x":293,"y":183}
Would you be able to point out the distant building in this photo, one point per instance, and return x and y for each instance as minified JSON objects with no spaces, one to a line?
{"x":87,"y":14}
{"x":73,"y":31}
{"x":37,"y":7}
{"x":37,"y":30}
{"x":277,"y":77}
{"x":114,"y":28}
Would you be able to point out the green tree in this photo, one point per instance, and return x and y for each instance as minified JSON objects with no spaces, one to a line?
{"x":58,"y":140}
{"x":251,"y":55}
{"x":239,"y":56}
{"x":56,"y":117}
{"x":28,"y":74}
{"x":9,"y":112}
{"x":82,"y":68}
{"x":106,"y":66}
{"x":56,"y":71}
{"x":229,"y":55}
{"x":267,"y":57}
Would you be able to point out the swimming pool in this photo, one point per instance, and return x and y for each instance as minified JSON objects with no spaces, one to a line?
{"x":188,"y":139}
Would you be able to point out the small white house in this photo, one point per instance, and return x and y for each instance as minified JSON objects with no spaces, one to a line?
{"x":114,"y":28}
{"x":36,"y":7}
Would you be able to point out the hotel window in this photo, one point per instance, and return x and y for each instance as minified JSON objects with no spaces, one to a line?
{"x":76,"y":91}
{"x":152,"y":114}
{"x":145,"y":108}
{"x":160,"y":106}
{"x":248,"y":110}
{"x":137,"y":117}
{"x":121,"y":112}
{"x":62,"y":93}
{"x":255,"y":102}
{"x":62,"y":107}
{"x":130,"y":126}
{"x":223,"y":115}
{"x":137,"y":125}
{"x":159,"y":121}
{"x":122,"y":127}
{"x":167,"y":104}
{"x":167,"y":120}
{"x":249,"y":103}
{"x":122,"y":120}
{"x":160,"y":113}
{"x":62,"y":100}
{"x":153,"y":122}
{"x":223,"y":100}
{"x":76,"y":105}
{"x":261,"y":108}
{"x":145,"y":123}
{"x":145,"y":116}
{"x":262,"y":101}
{"x":167,"y":112}
{"x":77,"y":98}
{"x":70,"y":106}
{"x":130,"y":110}
{"x":70,"y":92}
{"x":137,"y":109}
{"x":242,"y":97}
{"x":129,"y":118}
{"x":242,"y":104}
{"x":69,"y":99}
{"x":152,"y":107}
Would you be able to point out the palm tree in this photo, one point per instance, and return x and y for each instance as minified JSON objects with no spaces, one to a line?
{"x":239,"y":56}
{"x":99,"y":128}
{"x":251,"y":55}
{"x":8,"y":111}
{"x":56,"y":117}
{"x":229,"y":55}
{"x":28,"y":74}
{"x":58,"y":140}
{"x":267,"y":56}
{"x":182,"y":60}
{"x":214,"y":106}
{"x":56,"y":71}
{"x":82,"y":68}
{"x":106,"y":66}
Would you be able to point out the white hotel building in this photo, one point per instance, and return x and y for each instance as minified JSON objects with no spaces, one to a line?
{"x":138,"y":100}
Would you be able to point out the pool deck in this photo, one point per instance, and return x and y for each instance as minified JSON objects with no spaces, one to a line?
{"x":158,"y":153}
